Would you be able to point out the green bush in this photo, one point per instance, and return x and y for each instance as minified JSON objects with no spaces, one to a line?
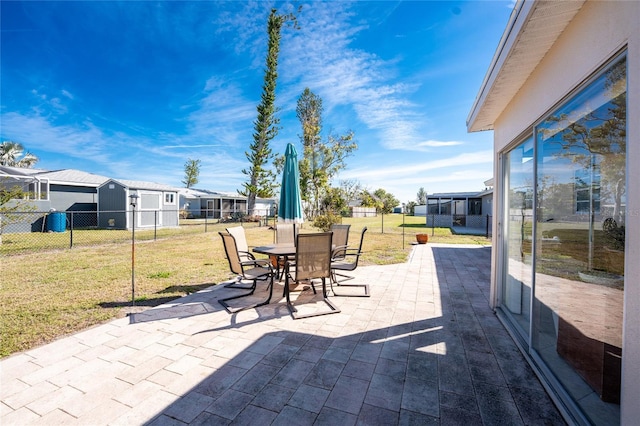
{"x":325,"y":221}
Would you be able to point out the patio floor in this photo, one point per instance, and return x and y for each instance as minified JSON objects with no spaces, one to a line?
{"x":424,"y":349}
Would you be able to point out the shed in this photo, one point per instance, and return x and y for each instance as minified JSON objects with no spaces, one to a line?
{"x":157,"y":204}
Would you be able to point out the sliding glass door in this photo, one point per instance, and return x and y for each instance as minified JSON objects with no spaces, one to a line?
{"x":564,"y":234}
{"x":518,"y":275}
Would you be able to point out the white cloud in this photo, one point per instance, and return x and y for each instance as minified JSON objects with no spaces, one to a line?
{"x":381,"y":173}
{"x":438,"y":144}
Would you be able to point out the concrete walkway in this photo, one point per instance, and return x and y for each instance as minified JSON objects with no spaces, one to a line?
{"x":424,"y":349}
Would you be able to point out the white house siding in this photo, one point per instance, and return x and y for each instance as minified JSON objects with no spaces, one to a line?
{"x":593,"y":37}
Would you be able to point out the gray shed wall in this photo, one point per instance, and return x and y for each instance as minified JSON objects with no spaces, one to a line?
{"x":112,"y":206}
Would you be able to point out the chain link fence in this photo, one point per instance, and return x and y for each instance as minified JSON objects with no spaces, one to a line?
{"x":23,"y":232}
{"x":32,"y":231}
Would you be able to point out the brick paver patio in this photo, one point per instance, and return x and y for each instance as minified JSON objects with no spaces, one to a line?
{"x":424,"y":349}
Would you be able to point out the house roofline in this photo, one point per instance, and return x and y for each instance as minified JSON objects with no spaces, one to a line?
{"x":533,"y":27}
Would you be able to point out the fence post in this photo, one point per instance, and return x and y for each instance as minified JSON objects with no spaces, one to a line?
{"x":487,"y":230}
{"x":206,"y":217}
{"x":71,"y":231}
{"x":403,"y":228}
{"x":383,"y":223}
{"x":133,"y":253}
{"x":155,"y":225}
{"x":433,"y":224}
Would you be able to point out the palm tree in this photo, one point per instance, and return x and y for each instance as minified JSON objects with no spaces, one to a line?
{"x":10,"y":153}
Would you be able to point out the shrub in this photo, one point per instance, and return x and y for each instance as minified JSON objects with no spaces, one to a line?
{"x":325,"y":221}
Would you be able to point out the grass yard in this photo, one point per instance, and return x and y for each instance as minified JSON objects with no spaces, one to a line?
{"x":49,"y":294}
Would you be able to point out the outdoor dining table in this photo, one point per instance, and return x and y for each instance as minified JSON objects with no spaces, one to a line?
{"x":279,"y":250}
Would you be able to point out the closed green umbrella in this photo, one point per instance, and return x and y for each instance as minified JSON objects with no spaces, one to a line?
{"x":290,"y":209}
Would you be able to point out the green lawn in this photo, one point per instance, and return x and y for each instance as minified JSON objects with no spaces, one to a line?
{"x":47,"y":293}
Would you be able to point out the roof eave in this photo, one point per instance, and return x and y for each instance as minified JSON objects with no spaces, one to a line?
{"x":506,"y":73}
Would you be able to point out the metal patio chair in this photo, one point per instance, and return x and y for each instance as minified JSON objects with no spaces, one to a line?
{"x":345,"y":259}
{"x":243,"y":251}
{"x":286,"y":233}
{"x":248,"y":270}
{"x":340,"y":240}
{"x":312,"y":261}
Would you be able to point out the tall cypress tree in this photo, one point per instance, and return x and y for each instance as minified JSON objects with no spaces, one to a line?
{"x":262,"y":180}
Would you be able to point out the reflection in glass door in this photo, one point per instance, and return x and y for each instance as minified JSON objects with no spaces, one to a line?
{"x":579,"y":262}
{"x":516,"y":289}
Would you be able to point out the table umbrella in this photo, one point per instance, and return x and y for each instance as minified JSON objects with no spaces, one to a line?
{"x":290,"y":208}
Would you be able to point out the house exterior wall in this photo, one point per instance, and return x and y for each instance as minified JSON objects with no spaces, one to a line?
{"x":595,"y":35}
{"x":73,"y":198}
{"x":190,"y":205}
{"x":265,"y":207}
{"x":25,"y":222}
{"x":487,"y":205}
{"x":82,"y":200}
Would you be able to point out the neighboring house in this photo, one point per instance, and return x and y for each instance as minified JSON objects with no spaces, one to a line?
{"x":465,"y":209}
{"x":35,"y":190}
{"x":65,"y":190}
{"x":562,"y":95}
{"x":156,"y":205}
{"x":458,"y":209}
{"x":266,"y":207}
{"x":201,"y":203}
{"x":74,"y":191}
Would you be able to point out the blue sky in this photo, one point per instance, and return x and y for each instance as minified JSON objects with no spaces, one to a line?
{"x":132,"y":90}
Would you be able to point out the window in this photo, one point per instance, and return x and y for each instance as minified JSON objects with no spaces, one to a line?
{"x":169,"y":198}
{"x":475,"y":206}
{"x":445,"y":206}
{"x":432,"y":206}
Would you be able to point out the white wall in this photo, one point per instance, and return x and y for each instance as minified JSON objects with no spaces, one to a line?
{"x":599,"y":30}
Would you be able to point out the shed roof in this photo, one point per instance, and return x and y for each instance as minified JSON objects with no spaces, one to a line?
{"x":534,"y":26}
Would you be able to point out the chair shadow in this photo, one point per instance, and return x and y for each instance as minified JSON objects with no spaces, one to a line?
{"x":205,"y":301}
{"x":151,"y":303}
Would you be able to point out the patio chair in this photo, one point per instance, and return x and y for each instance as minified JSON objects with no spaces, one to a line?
{"x":346,"y":259}
{"x":313,"y":261}
{"x":285,"y":234}
{"x":243,"y":251}
{"x":339,"y":240}
{"x":241,"y":241}
{"x":247,"y":270}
